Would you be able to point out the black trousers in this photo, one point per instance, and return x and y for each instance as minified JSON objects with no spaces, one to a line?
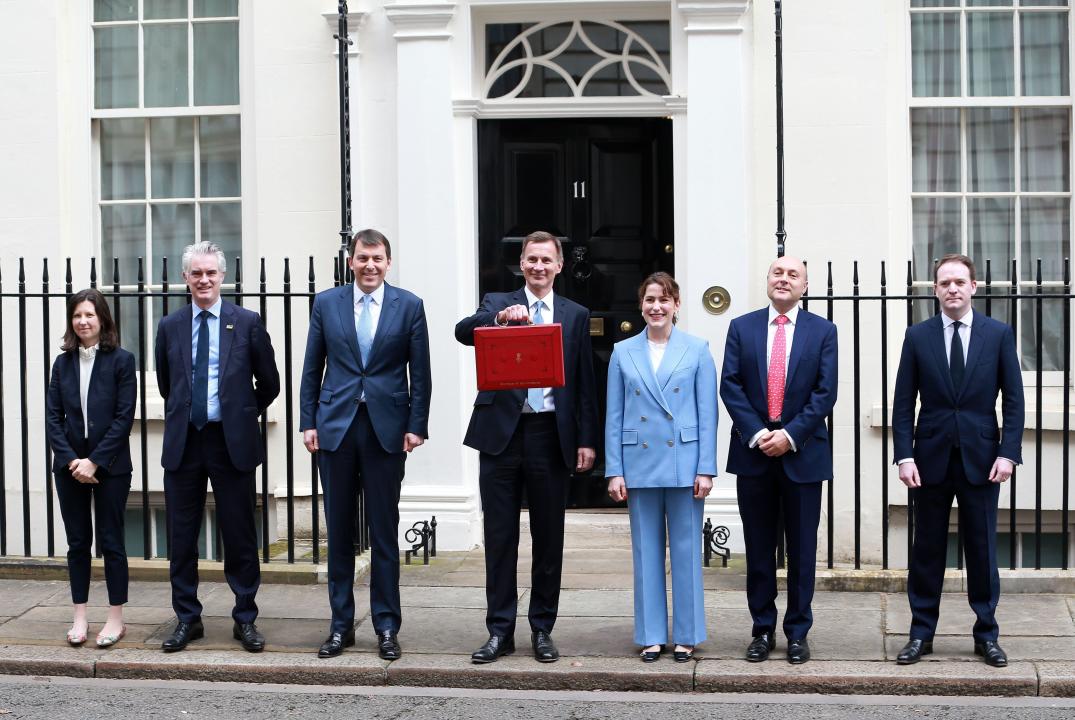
{"x":361,"y":464}
{"x":532,"y":460}
{"x":109,"y":498}
{"x":762,"y":499}
{"x":205,"y":457}
{"x":978,"y":520}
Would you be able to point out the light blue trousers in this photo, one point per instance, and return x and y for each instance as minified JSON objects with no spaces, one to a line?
{"x":657,"y":513}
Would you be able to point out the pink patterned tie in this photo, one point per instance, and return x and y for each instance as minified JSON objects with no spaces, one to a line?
{"x":776,"y":369}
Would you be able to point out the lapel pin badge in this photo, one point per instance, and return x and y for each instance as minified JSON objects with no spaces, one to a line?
{"x":229,"y":327}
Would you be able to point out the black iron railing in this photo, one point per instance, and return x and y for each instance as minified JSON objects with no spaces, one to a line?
{"x":881,"y":310}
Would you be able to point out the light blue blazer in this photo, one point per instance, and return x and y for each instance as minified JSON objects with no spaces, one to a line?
{"x":661,"y":428}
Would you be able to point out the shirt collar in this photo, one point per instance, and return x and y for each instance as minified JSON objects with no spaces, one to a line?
{"x":966,"y":319}
{"x":88,"y":353}
{"x":213,"y":309}
{"x":531,"y":298}
{"x":377,"y":295}
{"x":792,"y":314}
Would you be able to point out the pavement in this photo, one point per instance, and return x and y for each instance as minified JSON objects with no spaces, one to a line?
{"x":854,"y":641}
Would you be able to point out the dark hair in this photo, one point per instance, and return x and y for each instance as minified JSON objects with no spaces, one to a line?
{"x":540,"y":236}
{"x":955,"y":258}
{"x":369,"y":238}
{"x":109,"y":339}
{"x":668,"y":285}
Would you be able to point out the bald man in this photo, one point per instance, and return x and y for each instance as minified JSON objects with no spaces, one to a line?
{"x":779,"y":385}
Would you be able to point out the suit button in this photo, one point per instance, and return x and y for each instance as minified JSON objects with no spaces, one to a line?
{"x":675,"y":390}
{"x":669,"y":416}
{"x":91,"y":423}
{"x":670,"y":443}
{"x":645,"y":445}
{"x":638,"y":392}
{"x":643,"y":418}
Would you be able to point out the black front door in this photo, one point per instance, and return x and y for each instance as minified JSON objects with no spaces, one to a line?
{"x":604,"y":187}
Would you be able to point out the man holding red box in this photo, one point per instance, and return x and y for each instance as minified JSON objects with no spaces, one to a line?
{"x":531,"y":439}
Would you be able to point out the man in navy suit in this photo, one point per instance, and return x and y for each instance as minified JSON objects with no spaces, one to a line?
{"x":779,"y":384}
{"x":530,"y":440}
{"x":956,"y":364}
{"x":217,"y":373}
{"x":361,"y":417}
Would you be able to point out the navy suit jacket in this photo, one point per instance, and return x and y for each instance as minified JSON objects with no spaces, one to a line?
{"x":809,"y":394}
{"x":496,"y":412}
{"x":109,"y":407}
{"x":966,"y":413}
{"x":333,"y":376}
{"x":248,"y":381}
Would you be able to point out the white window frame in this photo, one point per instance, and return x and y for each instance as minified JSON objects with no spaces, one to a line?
{"x":1050,"y":378}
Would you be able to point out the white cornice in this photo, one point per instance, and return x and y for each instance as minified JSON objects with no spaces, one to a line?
{"x":571,"y":107}
{"x":713,"y":16}
{"x":421,"y":21}
{"x":355,"y":20}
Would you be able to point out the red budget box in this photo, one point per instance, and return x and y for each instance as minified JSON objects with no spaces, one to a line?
{"x":524,"y":356}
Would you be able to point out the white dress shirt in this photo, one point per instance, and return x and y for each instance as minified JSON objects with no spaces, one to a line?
{"x":546,"y":318}
{"x":376,"y":302}
{"x":770,"y":336}
{"x":656,"y":353}
{"x":86,"y":356}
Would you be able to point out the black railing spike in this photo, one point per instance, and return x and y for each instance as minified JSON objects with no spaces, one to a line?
{"x":310,"y":276}
{"x":335,"y":271}
{"x":855,"y":273}
{"x":1038,"y":273}
{"x":164,"y":271}
{"x":45,"y":271}
{"x":115,"y":274}
{"x":287,"y":272}
{"x":93,"y":271}
{"x":910,"y":273}
{"x":238,"y":270}
{"x":884,"y":281}
{"x":262,"y":279}
{"x":988,"y":271}
{"x":141,"y":270}
{"x":68,"y":278}
{"x":22,"y":275}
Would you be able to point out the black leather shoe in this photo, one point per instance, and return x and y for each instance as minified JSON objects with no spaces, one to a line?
{"x":183,"y":634}
{"x":649,"y":656}
{"x":248,"y":635}
{"x":683,"y":655}
{"x":388,"y":646}
{"x":544,"y":648}
{"x":798,"y":651}
{"x":914,"y":651}
{"x":991,"y":652}
{"x":494,"y":647}
{"x":335,"y":643}
{"x":760,"y":647}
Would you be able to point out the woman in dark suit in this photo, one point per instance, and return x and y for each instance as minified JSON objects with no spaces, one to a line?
{"x":90,"y":410}
{"x":661,"y":445}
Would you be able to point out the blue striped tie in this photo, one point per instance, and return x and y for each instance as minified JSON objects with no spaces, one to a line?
{"x":535,"y":397}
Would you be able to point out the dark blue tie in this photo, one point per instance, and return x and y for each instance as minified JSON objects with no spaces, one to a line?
{"x":956,"y":364}
{"x":199,"y":403}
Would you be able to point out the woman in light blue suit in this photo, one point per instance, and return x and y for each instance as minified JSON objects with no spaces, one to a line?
{"x":661,"y":445}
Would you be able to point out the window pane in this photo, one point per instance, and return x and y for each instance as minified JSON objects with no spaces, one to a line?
{"x":216,"y":8}
{"x":166,"y":65}
{"x":1051,"y":3}
{"x":936,"y":231}
{"x":115,"y":67}
{"x":1046,"y":235}
{"x":935,"y":54}
{"x":173,"y":229}
{"x":220,"y":156}
{"x":990,"y":149}
{"x":171,"y":142}
{"x":1045,"y":138}
{"x":164,"y":9}
{"x":222,"y":223}
{"x":1052,"y":309}
{"x":1045,"y":53}
{"x":123,"y":236}
{"x":991,"y":232}
{"x":114,"y":10}
{"x":935,"y":149}
{"x":216,"y":63}
{"x":123,"y":159}
{"x":990,"y":53}
{"x":934,"y":3}
{"x":990,"y":3}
